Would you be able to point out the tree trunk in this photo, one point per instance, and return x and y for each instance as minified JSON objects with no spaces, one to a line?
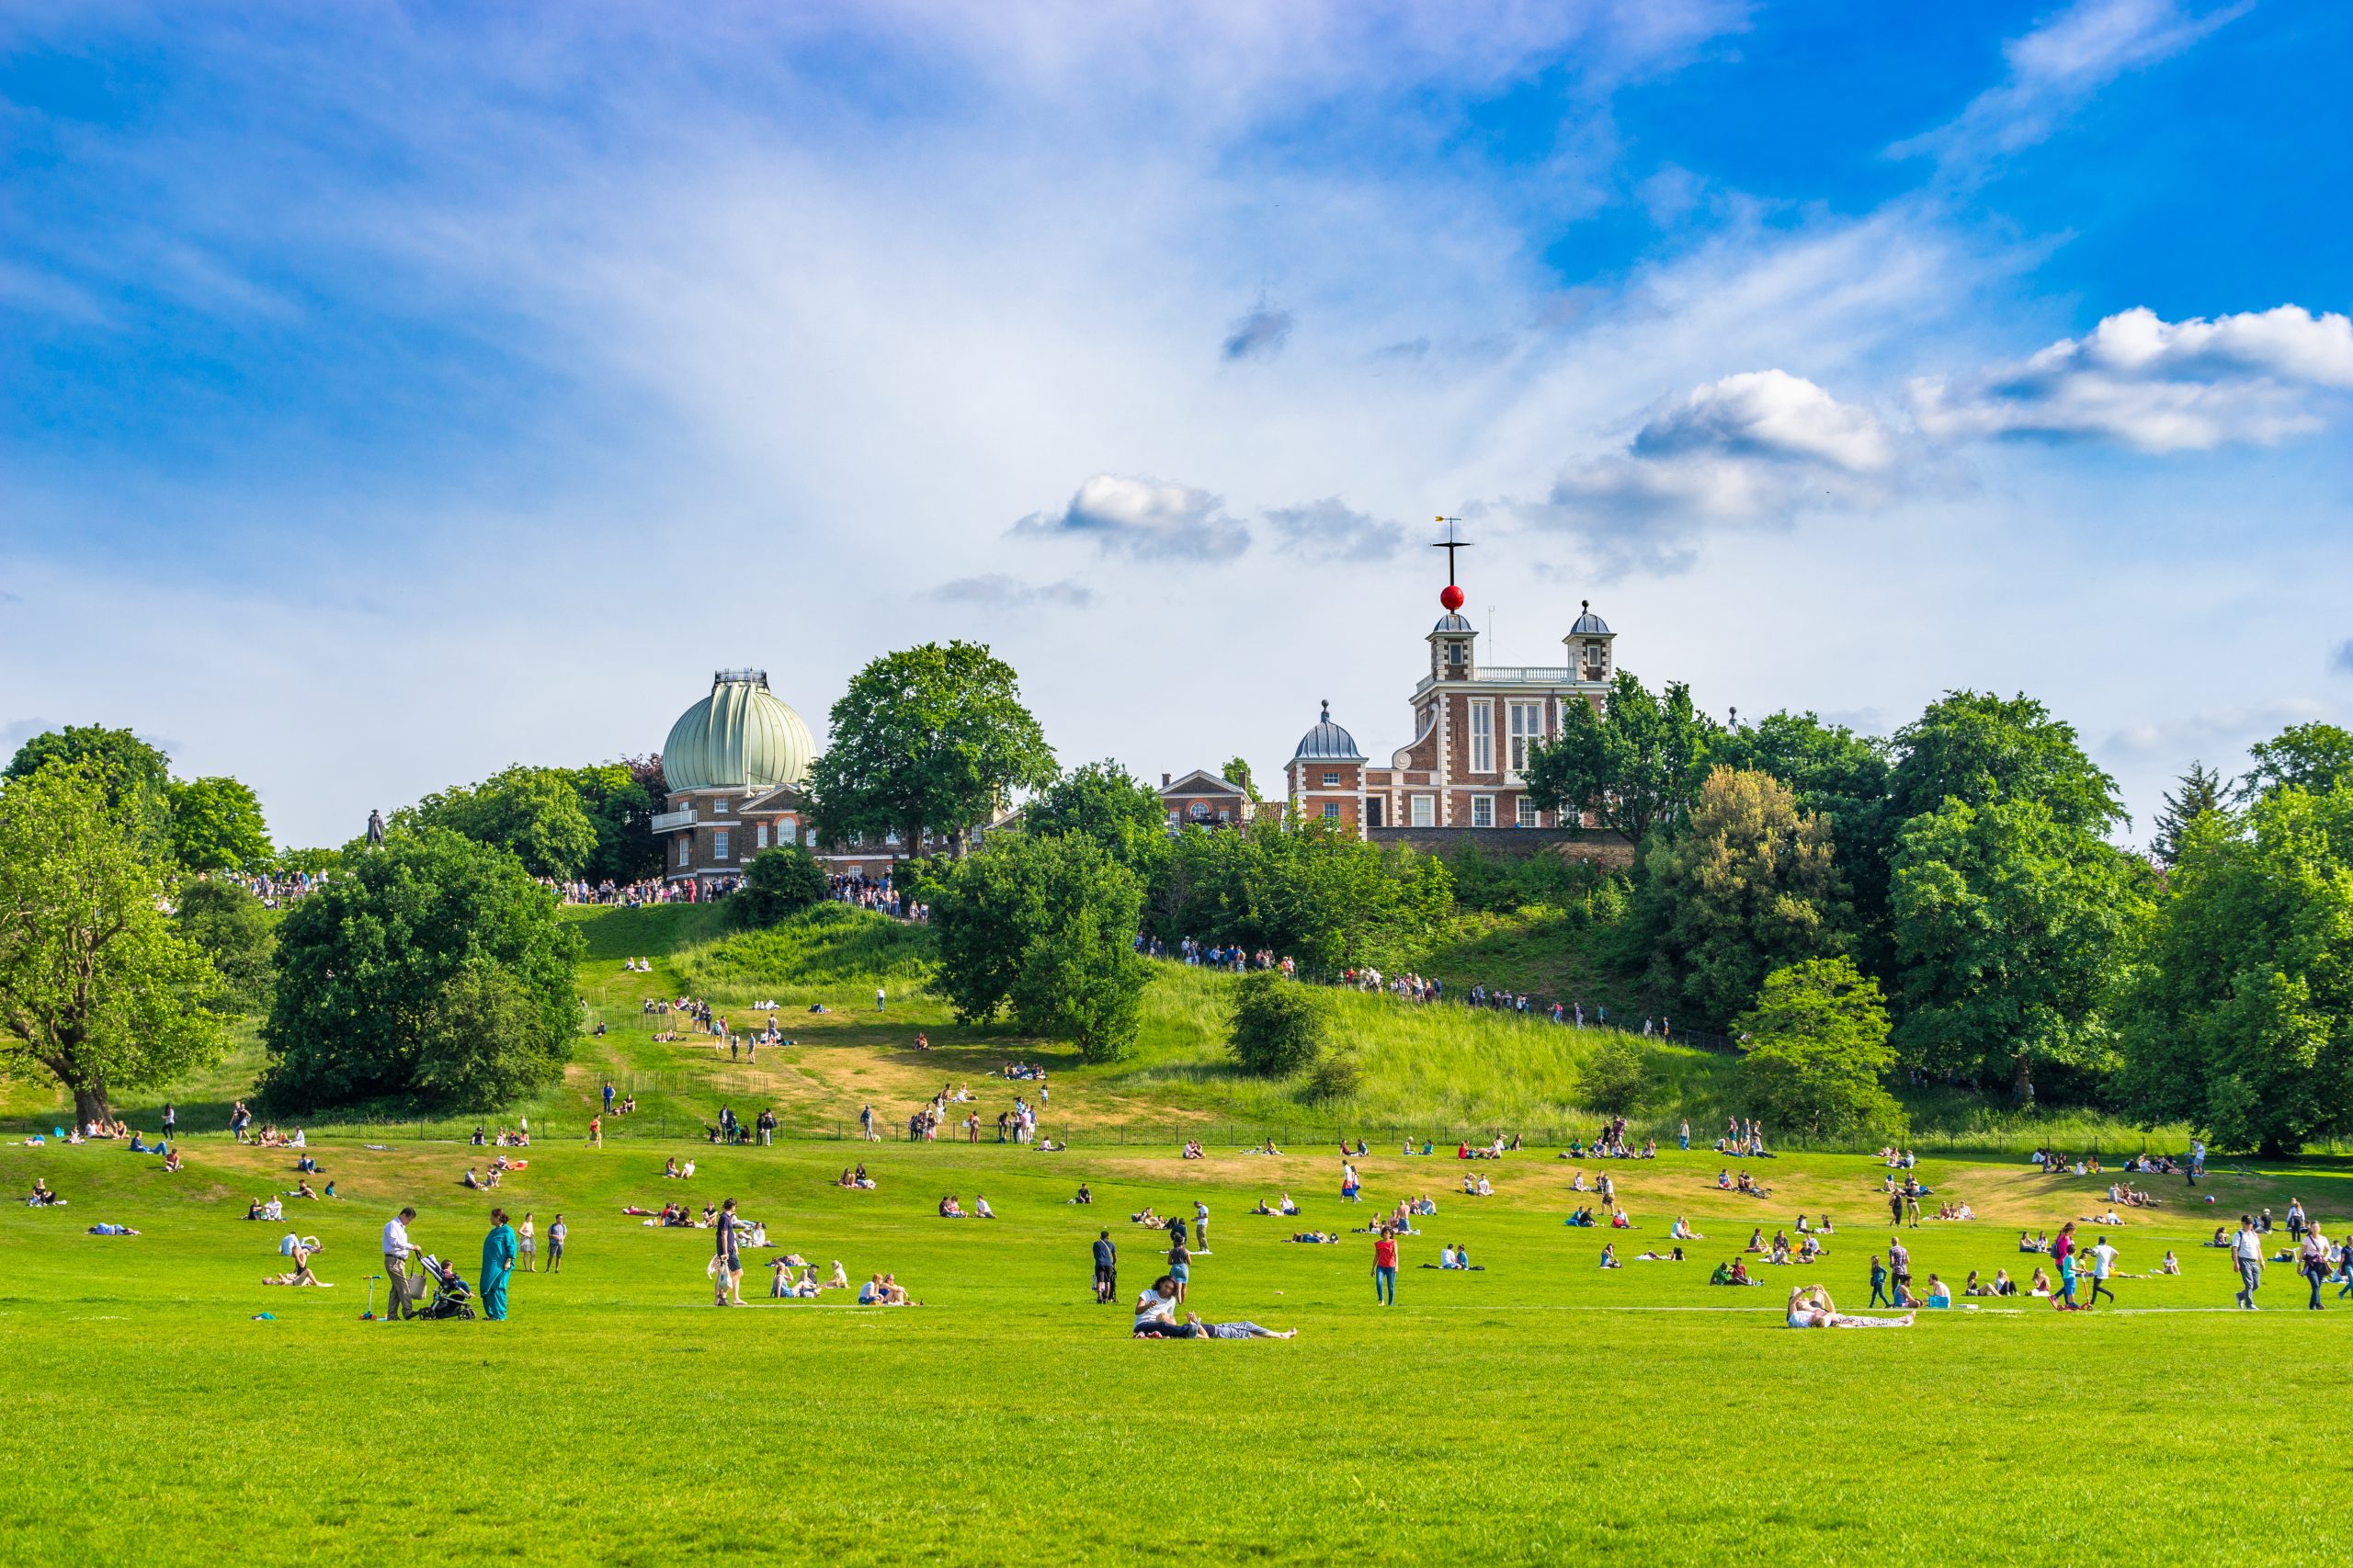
{"x":90,"y":1105}
{"x":2022,"y":1087}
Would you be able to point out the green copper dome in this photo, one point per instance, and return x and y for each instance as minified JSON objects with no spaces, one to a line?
{"x":740,"y":737}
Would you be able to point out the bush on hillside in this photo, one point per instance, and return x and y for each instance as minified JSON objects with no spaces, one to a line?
{"x":236,"y":932}
{"x":1336,"y":1075}
{"x":778,"y":882}
{"x":1277,"y":1025}
{"x":1817,"y":1046}
{"x":1615,"y":1079}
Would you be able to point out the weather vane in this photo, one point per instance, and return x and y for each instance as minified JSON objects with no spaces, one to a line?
{"x":1451,"y":596}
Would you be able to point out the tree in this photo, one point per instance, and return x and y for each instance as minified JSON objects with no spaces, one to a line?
{"x":533,"y":813}
{"x":2201,"y":790}
{"x":1236,"y":772}
{"x":2240,"y":1020}
{"x":364,"y":964}
{"x":1835,"y":774}
{"x":1615,"y":1079}
{"x":1275,"y":1026}
{"x":621,"y":803}
{"x":2009,"y":929}
{"x":98,"y":987}
{"x":1749,"y":886}
{"x":1107,"y":803}
{"x":2313,"y":758}
{"x":1045,"y":925}
{"x":931,"y":738}
{"x":1817,"y":1049}
{"x":778,"y":881}
{"x":1979,"y":748}
{"x":481,"y":1045}
{"x":231,"y":926}
{"x":217,"y":825}
{"x":1307,"y":890}
{"x":1637,"y":765}
{"x":135,"y":775}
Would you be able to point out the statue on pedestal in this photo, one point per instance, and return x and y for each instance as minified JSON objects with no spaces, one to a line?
{"x":375,"y":828}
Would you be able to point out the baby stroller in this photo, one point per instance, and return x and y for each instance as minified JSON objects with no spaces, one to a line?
{"x":452,"y":1296}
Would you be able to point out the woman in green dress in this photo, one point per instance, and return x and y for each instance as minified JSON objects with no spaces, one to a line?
{"x":497,"y":1265}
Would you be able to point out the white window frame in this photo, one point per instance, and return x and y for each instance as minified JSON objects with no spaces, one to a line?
{"x":1482,"y":810}
{"x":788,"y":832}
{"x":1482,"y":734}
{"x":1527,"y":720}
{"x":719,"y":807}
{"x":719,"y":843}
{"x":686,"y":849}
{"x":1523,"y":812}
{"x":1330,"y":811}
{"x":1331,"y":779}
{"x":1424,"y":811}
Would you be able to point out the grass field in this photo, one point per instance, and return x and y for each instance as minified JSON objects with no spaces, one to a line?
{"x":1539,"y":1411}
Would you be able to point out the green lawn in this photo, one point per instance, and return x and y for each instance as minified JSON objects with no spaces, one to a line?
{"x":1537,"y":1411}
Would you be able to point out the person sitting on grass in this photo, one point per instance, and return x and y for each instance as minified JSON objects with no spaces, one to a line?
{"x":43,"y":1197}
{"x":2172,"y":1265}
{"x":172,"y":1164}
{"x":1609,"y":1256}
{"x":1580,"y":1218}
{"x":273,"y":1209}
{"x":1192,"y":1151}
{"x":1755,"y":1240}
{"x":981,"y":1209}
{"x":1780,"y":1247}
{"x":1939,"y":1293}
{"x":2041,"y":1284}
{"x":1811,"y":1307}
{"x":1681,"y":1230}
{"x":1976,"y":1286}
{"x":2027,"y":1244}
{"x":1156,"y":1314}
{"x":302,"y":1189}
{"x":779,"y":1279}
{"x":949,"y":1209}
{"x":299,"y":1275}
{"x":1444,"y":1257}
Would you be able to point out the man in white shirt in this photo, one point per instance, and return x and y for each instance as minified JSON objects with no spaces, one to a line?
{"x":398,"y":1249}
{"x":2247,"y":1250}
{"x":2103,"y":1265}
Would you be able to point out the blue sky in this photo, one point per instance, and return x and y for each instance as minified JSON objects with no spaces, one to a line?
{"x":388,"y":393}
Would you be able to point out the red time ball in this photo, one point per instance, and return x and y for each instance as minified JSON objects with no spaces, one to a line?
{"x":1451,"y":597}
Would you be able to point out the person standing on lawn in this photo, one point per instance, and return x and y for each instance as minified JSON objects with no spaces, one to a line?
{"x":397,"y":1250}
{"x":1880,"y":1297}
{"x":1384,"y":1268}
{"x":2246,"y":1251}
{"x":1106,"y":1268}
{"x":2103,"y":1258}
{"x":729,"y":1264}
{"x":1200,"y":1227}
{"x":527,"y":1244}
{"x":557,"y":1235}
{"x":2311,"y":1259}
{"x":498,"y":1265}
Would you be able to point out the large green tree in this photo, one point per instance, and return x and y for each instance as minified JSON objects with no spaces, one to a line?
{"x":1749,"y":886}
{"x":98,"y":987}
{"x":1817,"y":1051}
{"x":236,"y":932}
{"x":1045,"y":927}
{"x":1308,"y":891}
{"x":2314,"y":757}
{"x":2240,"y":1020}
{"x":533,"y":813}
{"x":778,"y":881}
{"x":1103,"y":801}
{"x":2201,"y":790}
{"x":933,"y":739}
{"x":2011,"y":933}
{"x":135,"y":775}
{"x":621,"y":799}
{"x":365,"y":964}
{"x":217,"y":825}
{"x":1836,"y":774}
{"x":1636,"y":765}
{"x":1978,"y":748}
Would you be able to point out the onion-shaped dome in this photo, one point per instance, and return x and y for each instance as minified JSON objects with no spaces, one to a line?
{"x":1589,"y":624}
{"x":1327,"y":743}
{"x":1449,"y":622}
{"x":740,"y":737}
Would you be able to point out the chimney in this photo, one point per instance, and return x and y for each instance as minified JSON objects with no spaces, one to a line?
{"x":1164,"y":781}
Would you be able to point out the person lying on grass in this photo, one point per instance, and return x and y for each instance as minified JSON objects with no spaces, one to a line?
{"x":1811,"y":1307}
{"x":104,"y":1229}
{"x":1673,"y":1255}
{"x":1316,"y":1237}
{"x":1150,"y":1221}
{"x":299,"y":1274}
{"x":1243,"y":1330}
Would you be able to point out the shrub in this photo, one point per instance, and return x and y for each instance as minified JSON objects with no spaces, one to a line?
{"x":1277,"y":1025}
{"x":1335,"y":1076}
{"x":779,"y":882}
{"x":1615,"y":1079}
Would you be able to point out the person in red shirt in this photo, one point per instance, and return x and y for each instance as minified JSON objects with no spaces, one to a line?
{"x":1384,"y":1268}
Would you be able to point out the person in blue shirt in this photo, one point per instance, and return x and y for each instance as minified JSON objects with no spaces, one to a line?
{"x":498,"y":1265}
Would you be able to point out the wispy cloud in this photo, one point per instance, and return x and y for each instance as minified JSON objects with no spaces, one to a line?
{"x":2155,"y":385}
{"x":1147,"y":519}
{"x":1332,"y":530}
{"x":2340,"y":659}
{"x":996,"y":590}
{"x":1755,"y":446}
{"x":2058,"y":66}
{"x":1260,"y":335}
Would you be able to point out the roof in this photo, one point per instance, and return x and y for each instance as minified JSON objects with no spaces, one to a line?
{"x":1326,"y":742}
{"x":1589,"y":624}
{"x":1203,"y":782}
{"x":740,"y":737}
{"x":1450,"y":622}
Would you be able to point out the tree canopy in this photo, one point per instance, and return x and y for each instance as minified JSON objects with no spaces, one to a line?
{"x":1045,"y":925}
{"x":778,"y":881}
{"x":208,"y":824}
{"x":1103,"y":801}
{"x":364,"y":969}
{"x":533,"y":813}
{"x":2314,"y":757}
{"x":1981,"y":749}
{"x":1307,"y":890}
{"x":933,"y":739}
{"x":1817,"y":1051}
{"x":1748,"y":886}
{"x":1835,"y":774}
{"x":2241,"y":1019}
{"x":1637,"y":765}
{"x":217,"y":825}
{"x":621,"y":799}
{"x":98,"y":987}
{"x":2201,"y":790}
{"x":232,"y":929}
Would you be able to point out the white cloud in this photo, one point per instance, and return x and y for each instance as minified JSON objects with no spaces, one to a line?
{"x":2340,"y":658}
{"x":2155,"y":385}
{"x":1260,"y":335}
{"x":1333,"y":530}
{"x":997,"y":590}
{"x":1758,"y":445}
{"x":2059,"y":65}
{"x":1143,"y":518}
